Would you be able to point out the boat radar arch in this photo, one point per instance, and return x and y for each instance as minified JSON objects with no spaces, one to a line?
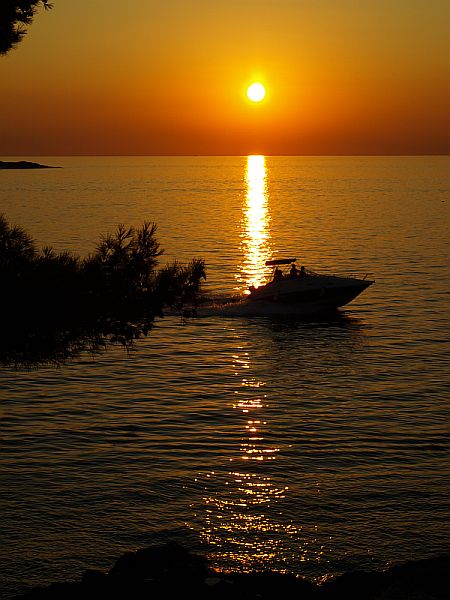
{"x":280,"y":261}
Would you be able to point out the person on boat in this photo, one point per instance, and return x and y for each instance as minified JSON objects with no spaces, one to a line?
{"x":302,"y":271}
{"x":278,"y":275}
{"x":294,"y":271}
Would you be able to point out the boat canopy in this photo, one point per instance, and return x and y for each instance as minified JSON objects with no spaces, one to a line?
{"x":280,"y":261}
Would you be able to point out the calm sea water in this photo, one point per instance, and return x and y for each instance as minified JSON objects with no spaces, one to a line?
{"x":307,"y":447}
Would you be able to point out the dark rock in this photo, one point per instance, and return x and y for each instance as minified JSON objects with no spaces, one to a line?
{"x":158,"y":573}
{"x":168,"y":562}
{"x":93,"y":577}
{"x":426,"y":579}
{"x":55,"y":591}
{"x":266,"y":586}
{"x":354,"y":586}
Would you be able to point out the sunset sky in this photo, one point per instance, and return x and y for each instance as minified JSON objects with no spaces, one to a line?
{"x":170,"y":77}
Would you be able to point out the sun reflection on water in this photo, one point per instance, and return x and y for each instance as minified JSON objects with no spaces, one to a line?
{"x":255,"y":229}
{"x":244,"y":512}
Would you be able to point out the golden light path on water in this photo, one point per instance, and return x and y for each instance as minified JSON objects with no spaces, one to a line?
{"x":243,"y":516}
{"x":255,"y":232}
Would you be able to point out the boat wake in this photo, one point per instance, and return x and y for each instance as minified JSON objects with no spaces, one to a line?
{"x":243,"y":306}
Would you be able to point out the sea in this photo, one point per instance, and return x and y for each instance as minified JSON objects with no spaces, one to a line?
{"x":312,"y":447}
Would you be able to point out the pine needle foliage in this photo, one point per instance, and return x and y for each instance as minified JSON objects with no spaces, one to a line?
{"x":113,"y":295}
{"x":15,"y":16}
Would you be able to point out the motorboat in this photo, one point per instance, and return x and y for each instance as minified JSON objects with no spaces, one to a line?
{"x":290,"y":291}
{"x":302,"y":290}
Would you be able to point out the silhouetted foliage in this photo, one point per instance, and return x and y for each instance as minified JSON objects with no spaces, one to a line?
{"x":15,"y":15}
{"x":55,"y":304}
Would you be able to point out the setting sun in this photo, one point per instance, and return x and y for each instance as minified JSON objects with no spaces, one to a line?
{"x":256,"y":92}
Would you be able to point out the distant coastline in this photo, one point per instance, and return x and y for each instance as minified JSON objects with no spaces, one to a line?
{"x":24,"y":164}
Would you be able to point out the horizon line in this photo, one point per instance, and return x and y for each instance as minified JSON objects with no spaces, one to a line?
{"x":229,"y":155}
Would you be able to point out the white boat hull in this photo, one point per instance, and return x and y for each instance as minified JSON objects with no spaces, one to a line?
{"x":300,"y":296}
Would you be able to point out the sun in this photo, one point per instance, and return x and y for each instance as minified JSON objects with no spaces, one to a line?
{"x":256,"y":92}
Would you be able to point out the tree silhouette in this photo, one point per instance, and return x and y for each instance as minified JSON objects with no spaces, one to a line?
{"x":15,"y":15}
{"x":55,"y":304}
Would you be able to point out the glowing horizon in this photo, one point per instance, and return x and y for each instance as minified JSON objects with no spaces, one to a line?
{"x":176,"y":84}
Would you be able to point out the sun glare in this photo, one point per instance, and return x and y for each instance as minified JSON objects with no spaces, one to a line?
{"x":256,"y":223}
{"x":256,"y":92}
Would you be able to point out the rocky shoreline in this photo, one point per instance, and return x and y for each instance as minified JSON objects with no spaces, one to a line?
{"x":171,"y":571}
{"x":23,"y":164}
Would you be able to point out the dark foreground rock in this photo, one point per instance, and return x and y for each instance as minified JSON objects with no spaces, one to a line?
{"x":171,"y":571}
{"x":23,"y":164}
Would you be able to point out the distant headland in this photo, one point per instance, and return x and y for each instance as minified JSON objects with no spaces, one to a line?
{"x":24,"y":164}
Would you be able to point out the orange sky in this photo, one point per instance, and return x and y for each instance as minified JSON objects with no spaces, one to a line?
{"x":342,"y":77}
